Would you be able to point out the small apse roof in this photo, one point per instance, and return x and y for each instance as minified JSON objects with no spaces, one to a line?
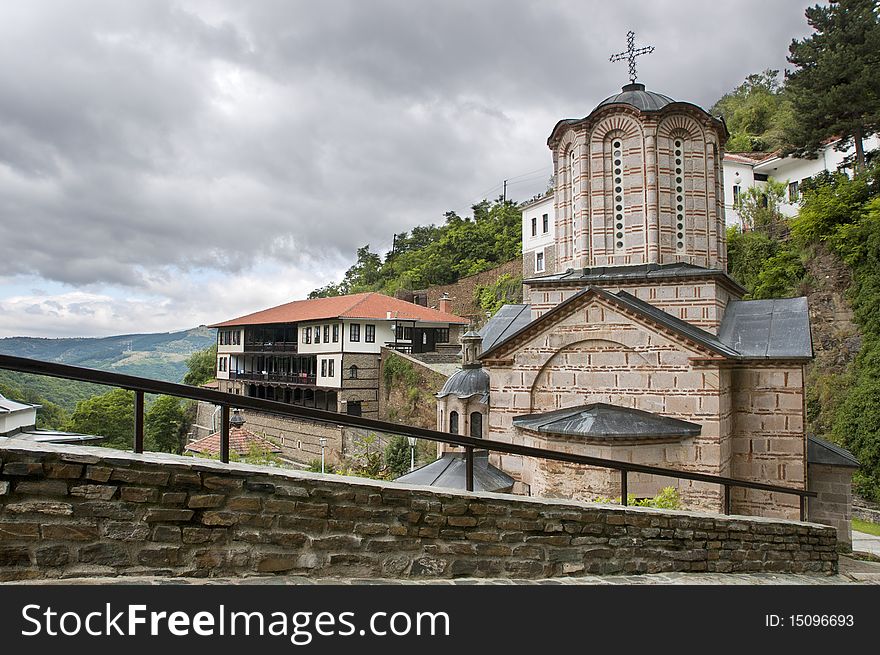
{"x":371,"y":305}
{"x":820,"y":451}
{"x":450,"y":472}
{"x":607,"y":422}
{"x":465,"y":383}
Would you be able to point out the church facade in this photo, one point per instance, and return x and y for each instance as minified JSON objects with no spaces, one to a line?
{"x":635,"y":344}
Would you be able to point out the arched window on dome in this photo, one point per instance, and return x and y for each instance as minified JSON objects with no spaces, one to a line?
{"x":572,"y":184}
{"x":453,"y":422}
{"x":615,"y":165}
{"x":477,"y":425}
{"x":678,"y":202}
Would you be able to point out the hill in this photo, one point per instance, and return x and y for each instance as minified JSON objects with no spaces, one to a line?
{"x":161,"y":356}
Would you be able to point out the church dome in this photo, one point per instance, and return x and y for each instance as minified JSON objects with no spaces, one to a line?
{"x":636,"y":96}
{"x":466,"y":383}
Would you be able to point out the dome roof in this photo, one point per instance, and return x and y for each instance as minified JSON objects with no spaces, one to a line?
{"x":466,"y":383}
{"x":636,"y":96}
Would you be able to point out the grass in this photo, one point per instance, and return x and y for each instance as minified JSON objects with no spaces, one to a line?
{"x":866,"y":527}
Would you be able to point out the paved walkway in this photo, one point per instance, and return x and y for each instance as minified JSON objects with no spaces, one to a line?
{"x":866,"y":543}
{"x":852,"y":571}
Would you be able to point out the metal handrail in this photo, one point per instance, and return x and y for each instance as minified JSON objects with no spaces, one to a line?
{"x":227,"y":400}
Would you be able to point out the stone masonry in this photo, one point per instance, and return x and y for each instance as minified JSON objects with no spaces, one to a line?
{"x":68,"y":511}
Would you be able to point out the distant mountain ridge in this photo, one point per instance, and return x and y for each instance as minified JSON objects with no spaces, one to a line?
{"x":161,"y":356}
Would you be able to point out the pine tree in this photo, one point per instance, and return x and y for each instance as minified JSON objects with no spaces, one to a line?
{"x":835,"y":89}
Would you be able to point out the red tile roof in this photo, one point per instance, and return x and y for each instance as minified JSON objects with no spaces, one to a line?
{"x":749,"y":157}
{"x":240,"y":441}
{"x":371,"y":305}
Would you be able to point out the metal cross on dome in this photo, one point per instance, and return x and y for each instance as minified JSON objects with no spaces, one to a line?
{"x":631,"y":53}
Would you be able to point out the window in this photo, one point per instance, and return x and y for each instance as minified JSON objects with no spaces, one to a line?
{"x":442,"y":335}
{"x":307,"y":335}
{"x":317,"y":334}
{"x":476,"y":425}
{"x":534,"y":226}
{"x":572,"y":173}
{"x":326,"y":334}
{"x":404,"y":333}
{"x":793,"y":192}
{"x":453,"y":422}
{"x":539,"y":261}
{"x":678,"y":166}
{"x":353,"y":408}
{"x":336,"y":333}
{"x":370,"y":333}
{"x":737,"y":192}
{"x":354,"y":333}
{"x":221,"y":365}
{"x":352,"y":372}
{"x":323,"y":368}
{"x":331,"y":365}
{"x":545,"y":219}
{"x":616,"y":166}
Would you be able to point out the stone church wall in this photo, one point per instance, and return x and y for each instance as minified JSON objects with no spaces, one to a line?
{"x":768,"y":443}
{"x":598,"y":355}
{"x":70,"y":511}
{"x":833,"y":505}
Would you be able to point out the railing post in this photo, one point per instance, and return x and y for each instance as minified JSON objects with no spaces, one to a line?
{"x":138,"y":421}
{"x":727,"y":499}
{"x":469,"y":467}
{"x":623,"y":490}
{"x":803,"y":508}
{"x":224,"y":434}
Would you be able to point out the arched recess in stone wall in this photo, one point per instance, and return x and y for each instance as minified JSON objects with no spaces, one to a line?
{"x":687,"y":239}
{"x":564,"y":202}
{"x":574,"y":364}
{"x":603,"y":185}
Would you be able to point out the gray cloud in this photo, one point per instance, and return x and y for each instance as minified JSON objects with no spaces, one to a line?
{"x":157,"y":138}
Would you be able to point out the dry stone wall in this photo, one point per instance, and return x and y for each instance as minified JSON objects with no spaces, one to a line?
{"x":75,"y":511}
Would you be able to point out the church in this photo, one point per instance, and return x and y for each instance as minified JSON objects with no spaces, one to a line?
{"x":634,"y":343}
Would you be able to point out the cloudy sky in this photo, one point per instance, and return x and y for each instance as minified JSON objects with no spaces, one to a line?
{"x":165,"y":164}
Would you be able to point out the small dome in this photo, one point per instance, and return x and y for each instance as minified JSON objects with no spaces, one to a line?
{"x":466,"y":383}
{"x":636,"y":96}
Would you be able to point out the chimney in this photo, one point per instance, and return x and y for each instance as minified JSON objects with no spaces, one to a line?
{"x":445,"y":304}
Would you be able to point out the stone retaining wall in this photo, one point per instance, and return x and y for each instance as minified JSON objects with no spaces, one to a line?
{"x":77,"y":511}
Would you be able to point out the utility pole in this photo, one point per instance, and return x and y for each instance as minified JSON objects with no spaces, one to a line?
{"x":504,"y":193}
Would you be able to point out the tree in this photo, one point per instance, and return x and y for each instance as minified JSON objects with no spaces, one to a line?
{"x":756,"y":113}
{"x":835,"y":87}
{"x":165,"y":425}
{"x":397,"y":456}
{"x":110,"y":415}
{"x":201,"y":366}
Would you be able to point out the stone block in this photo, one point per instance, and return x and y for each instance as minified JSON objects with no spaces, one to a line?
{"x":274,"y":506}
{"x":133,"y":476}
{"x":201,"y":501}
{"x":316,"y":510}
{"x":63,"y":470}
{"x":174,"y":498}
{"x":42,"y":488}
{"x":196,"y":535}
{"x":14,"y":556}
{"x":98,"y":473}
{"x":244,"y":504}
{"x":158,"y":557}
{"x":70,"y":532}
{"x":219,"y":518}
{"x":222,"y":483}
{"x":40,"y":507}
{"x":52,"y":556}
{"x":16,"y":531}
{"x":336,"y":542}
{"x":4,"y":487}
{"x":125,"y":531}
{"x":23,"y":468}
{"x":188,"y":479}
{"x":167,"y":515}
{"x":93,"y":491}
{"x":105,"y":509}
{"x":105,"y":554}
{"x":166,"y":533}
{"x":139,"y":494}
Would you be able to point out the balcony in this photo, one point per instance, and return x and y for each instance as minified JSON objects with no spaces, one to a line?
{"x":285,"y":378}
{"x":272,"y":347}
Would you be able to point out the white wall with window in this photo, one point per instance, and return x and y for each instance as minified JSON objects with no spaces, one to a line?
{"x":230,"y":340}
{"x":329,"y":371}
{"x":540,"y":213}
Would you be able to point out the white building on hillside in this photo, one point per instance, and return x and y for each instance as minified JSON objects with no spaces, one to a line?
{"x":538,"y":232}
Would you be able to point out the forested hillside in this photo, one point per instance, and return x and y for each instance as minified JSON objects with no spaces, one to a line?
{"x":430,"y":254}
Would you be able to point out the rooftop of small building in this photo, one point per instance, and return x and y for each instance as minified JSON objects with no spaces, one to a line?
{"x":465,"y":383}
{"x":822,"y":451}
{"x":370,"y":306}
{"x":8,"y":406}
{"x":241,"y":442}
{"x":603,"y":421}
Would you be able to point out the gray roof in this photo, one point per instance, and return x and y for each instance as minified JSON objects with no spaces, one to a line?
{"x":768,"y":328}
{"x":636,"y":96}
{"x":449,"y":472}
{"x":7,"y":405}
{"x":465,"y":383}
{"x":54,"y":436}
{"x":820,"y":451}
{"x":751,"y":329}
{"x":506,"y":321}
{"x":635,"y":273}
{"x":603,"y":421}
